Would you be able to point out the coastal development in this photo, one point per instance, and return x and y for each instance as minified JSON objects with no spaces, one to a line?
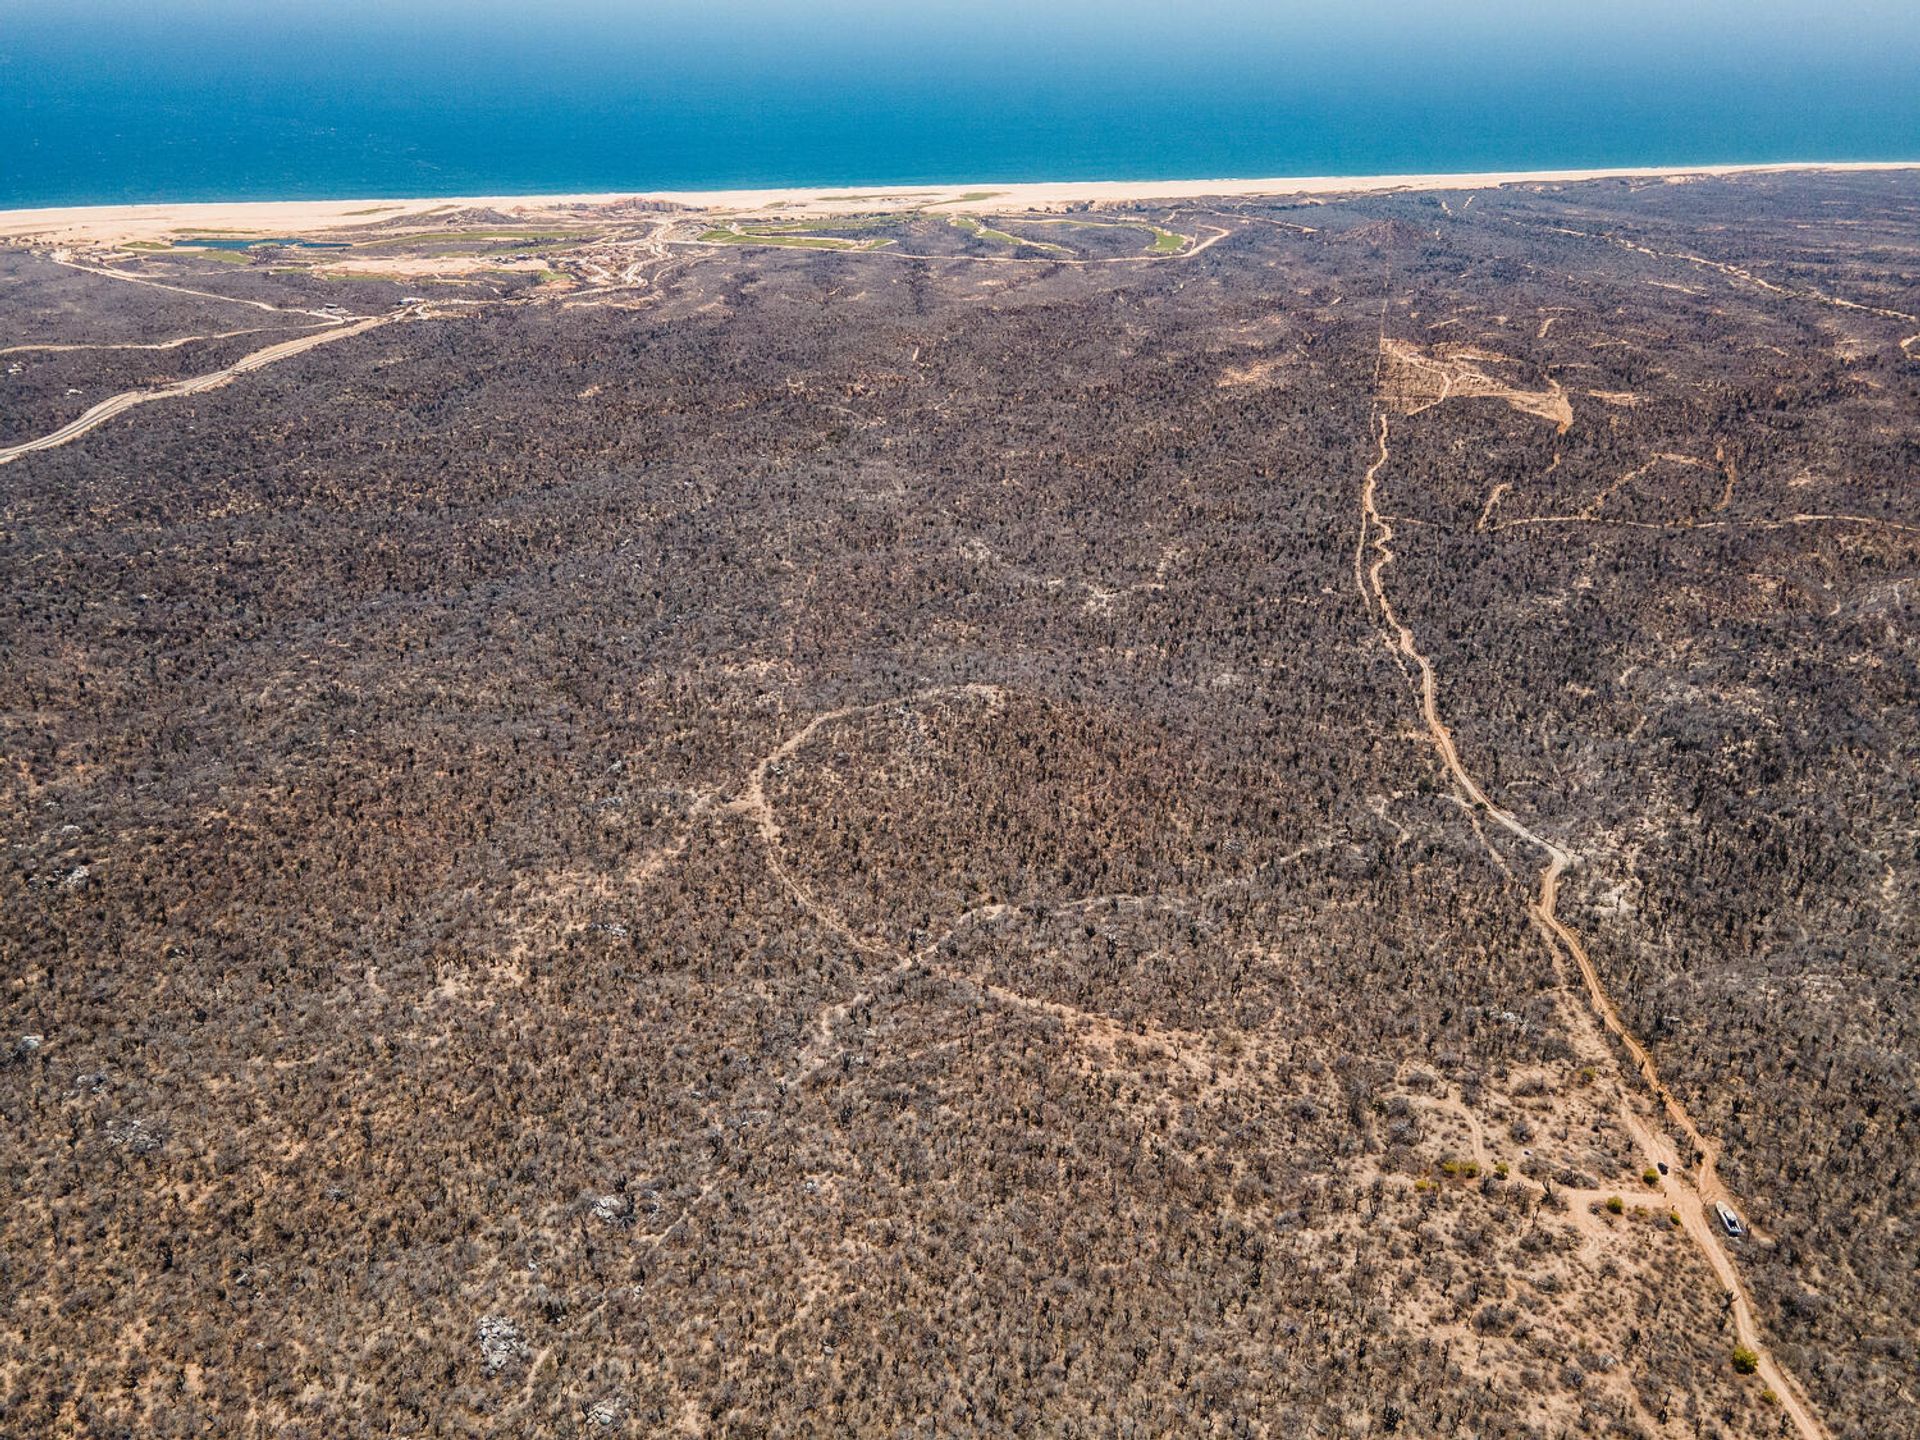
{"x":1278,"y":808}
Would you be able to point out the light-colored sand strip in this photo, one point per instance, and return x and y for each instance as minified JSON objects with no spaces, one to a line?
{"x":292,"y":217}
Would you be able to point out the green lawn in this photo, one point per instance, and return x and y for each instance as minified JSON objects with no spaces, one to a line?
{"x":789,"y":239}
{"x":981,"y":231}
{"x":810,"y":227}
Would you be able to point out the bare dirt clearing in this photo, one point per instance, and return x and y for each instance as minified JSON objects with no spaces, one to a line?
{"x":1413,"y":380}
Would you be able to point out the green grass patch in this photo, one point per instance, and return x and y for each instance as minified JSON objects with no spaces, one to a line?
{"x":814,"y":227}
{"x":219,"y":257}
{"x":790,"y":240}
{"x":982,"y":231}
{"x":1165,"y":242}
{"x":144,"y":245}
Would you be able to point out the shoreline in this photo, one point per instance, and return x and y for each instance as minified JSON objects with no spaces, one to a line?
{"x":99,"y":223}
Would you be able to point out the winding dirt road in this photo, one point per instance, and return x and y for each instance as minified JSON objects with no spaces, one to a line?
{"x":173,"y":344}
{"x":1738,"y":272}
{"x":1689,"y":1202}
{"x":62,"y":258}
{"x":126,"y":400}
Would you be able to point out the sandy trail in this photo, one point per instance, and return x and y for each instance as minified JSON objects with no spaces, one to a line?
{"x":59,"y":258}
{"x":1785,"y":522}
{"x":1689,"y":1203}
{"x":1092,"y":1031}
{"x":1592,"y":509}
{"x":1738,"y":272}
{"x":119,"y":404}
{"x":174,"y":344}
{"x":753,"y":802}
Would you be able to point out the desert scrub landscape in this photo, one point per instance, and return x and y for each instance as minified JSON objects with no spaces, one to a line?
{"x":968,"y":829}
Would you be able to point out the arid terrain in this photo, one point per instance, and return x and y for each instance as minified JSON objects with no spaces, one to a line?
{"x":1235,"y":816}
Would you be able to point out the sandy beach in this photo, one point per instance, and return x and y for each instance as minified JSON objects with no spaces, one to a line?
{"x":105,"y":223}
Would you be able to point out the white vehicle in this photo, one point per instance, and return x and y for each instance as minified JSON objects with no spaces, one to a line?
{"x":1729,"y":1221}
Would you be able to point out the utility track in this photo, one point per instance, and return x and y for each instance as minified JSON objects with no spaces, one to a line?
{"x":1689,"y":1202}
{"x":126,"y":400}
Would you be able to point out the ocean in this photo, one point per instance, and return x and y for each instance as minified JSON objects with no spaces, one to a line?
{"x":215,"y":100}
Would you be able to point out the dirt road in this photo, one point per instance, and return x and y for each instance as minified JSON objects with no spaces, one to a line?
{"x":1689,"y":1202}
{"x":126,"y":400}
{"x":61,"y":258}
{"x":1739,"y":272}
{"x":173,"y":344}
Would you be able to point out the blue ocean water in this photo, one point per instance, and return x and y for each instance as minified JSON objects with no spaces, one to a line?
{"x":218,"y":99}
